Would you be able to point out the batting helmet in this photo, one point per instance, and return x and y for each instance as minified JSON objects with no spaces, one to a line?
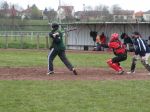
{"x":55,"y":26}
{"x":114,"y":36}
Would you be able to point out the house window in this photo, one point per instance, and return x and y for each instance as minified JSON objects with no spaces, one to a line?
{"x":123,"y":17}
{"x":116,"y":17}
{"x":129,"y":17}
{"x":148,"y":17}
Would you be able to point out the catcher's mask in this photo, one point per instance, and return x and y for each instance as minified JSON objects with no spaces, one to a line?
{"x":114,"y":37}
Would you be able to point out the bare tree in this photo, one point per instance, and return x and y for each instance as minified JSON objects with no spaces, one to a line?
{"x":17,"y":7}
{"x":88,"y":8}
{"x":4,"y":9}
{"x":104,"y":12}
{"x":115,"y":8}
{"x":106,"y":9}
{"x":66,"y":13}
{"x":50,"y":14}
{"x":35,"y":12}
{"x":69,"y":13}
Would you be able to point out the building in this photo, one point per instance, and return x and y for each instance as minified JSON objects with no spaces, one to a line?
{"x":12,"y":12}
{"x":146,"y":16}
{"x":81,"y":39}
{"x":65,"y":12}
{"x":91,"y":15}
{"x":139,"y":16}
{"x":123,"y":15}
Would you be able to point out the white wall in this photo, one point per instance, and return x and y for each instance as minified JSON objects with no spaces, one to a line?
{"x":146,"y":17}
{"x":81,"y":36}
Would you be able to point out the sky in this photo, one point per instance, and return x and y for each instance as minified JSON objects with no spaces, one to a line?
{"x":137,"y":5}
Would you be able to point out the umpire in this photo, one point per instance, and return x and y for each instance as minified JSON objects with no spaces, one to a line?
{"x":57,"y":48}
{"x":141,"y":52}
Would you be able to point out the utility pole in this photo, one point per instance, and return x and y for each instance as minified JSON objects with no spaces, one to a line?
{"x":59,"y":7}
{"x":59,"y":11}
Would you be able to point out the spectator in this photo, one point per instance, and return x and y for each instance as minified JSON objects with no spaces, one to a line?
{"x":100,"y":42}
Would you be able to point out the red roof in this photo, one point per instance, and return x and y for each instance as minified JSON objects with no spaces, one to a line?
{"x":139,"y":14}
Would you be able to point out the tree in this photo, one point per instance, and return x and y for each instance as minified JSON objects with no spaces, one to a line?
{"x":115,"y":8}
{"x":4,"y":9}
{"x":104,"y":12}
{"x":99,"y":7}
{"x":35,"y":12}
{"x":105,"y":9}
{"x":50,"y":14}
{"x":17,"y":7}
{"x":88,"y":8}
{"x":68,"y":12}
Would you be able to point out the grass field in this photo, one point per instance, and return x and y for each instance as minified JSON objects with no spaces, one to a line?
{"x":25,"y":42}
{"x":31,"y":58}
{"x":70,"y":96}
{"x":74,"y":96}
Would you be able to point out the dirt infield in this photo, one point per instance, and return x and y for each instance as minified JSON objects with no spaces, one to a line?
{"x":39,"y":73}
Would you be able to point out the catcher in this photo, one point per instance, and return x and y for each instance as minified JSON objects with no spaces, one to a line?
{"x":58,"y":48}
{"x":120,"y":53}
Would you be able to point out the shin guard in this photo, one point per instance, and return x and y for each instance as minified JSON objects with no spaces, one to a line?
{"x":114,"y":66}
{"x":119,"y":66}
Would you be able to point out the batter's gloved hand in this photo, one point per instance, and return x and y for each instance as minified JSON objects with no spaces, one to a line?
{"x":55,"y":34}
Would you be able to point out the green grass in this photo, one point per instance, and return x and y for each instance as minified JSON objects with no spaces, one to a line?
{"x":37,"y":22}
{"x":15,"y":58}
{"x":26,"y":25}
{"x":8,"y":21}
{"x":74,"y":96}
{"x":69,"y":96}
{"x":28,"y":58}
{"x":26,"y":42}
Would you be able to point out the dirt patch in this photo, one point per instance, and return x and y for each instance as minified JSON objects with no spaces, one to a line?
{"x":39,"y":73}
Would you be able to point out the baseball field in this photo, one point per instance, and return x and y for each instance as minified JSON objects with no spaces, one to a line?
{"x":25,"y":87}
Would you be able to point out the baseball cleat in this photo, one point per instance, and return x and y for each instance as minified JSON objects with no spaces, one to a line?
{"x":148,"y":74}
{"x":50,"y":73}
{"x":121,"y":72}
{"x":131,"y":72}
{"x":74,"y":71}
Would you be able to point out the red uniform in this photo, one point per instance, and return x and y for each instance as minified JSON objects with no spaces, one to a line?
{"x":117,"y":46}
{"x":103,"y":39}
{"x":119,"y":51}
{"x":100,"y":41}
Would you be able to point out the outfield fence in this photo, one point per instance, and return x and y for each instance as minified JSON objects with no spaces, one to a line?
{"x":24,"y":39}
{"x":38,"y":40}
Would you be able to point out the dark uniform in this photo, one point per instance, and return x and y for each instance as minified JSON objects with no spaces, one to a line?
{"x":141,"y":50}
{"x":57,"y":48}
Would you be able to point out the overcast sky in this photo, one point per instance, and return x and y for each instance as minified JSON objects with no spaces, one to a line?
{"x":137,"y":5}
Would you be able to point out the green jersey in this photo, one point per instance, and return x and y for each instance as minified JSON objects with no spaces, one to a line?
{"x":57,"y":40}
